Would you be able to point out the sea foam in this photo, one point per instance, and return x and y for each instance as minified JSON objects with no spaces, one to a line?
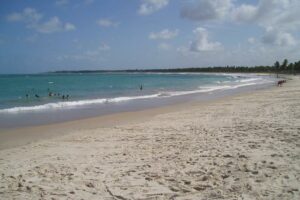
{"x":163,"y":94}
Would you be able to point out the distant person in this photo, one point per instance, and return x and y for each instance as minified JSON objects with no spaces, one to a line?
{"x":63,"y":97}
{"x":26,"y":96}
{"x":67,"y":97}
{"x":141,"y":87}
{"x":50,"y":94}
{"x":37,"y":96}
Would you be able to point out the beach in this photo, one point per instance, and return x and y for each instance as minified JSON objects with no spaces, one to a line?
{"x":245,"y":146}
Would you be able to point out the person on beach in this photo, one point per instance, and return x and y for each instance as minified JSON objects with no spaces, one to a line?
{"x":141,"y":87}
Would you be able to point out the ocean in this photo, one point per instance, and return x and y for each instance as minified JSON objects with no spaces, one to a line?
{"x":61,"y":97}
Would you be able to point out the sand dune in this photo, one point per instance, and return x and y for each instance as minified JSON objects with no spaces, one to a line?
{"x":242,"y":147}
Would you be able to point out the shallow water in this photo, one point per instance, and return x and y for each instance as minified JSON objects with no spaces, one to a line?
{"x":103,"y":93}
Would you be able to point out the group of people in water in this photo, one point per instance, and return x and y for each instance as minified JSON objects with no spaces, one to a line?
{"x":50,"y":94}
{"x":53,"y":94}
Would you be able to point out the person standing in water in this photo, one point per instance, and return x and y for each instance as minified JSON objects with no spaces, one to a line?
{"x":141,"y":87}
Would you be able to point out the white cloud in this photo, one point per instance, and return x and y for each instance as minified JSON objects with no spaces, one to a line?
{"x":283,"y":13}
{"x":277,"y":17}
{"x":107,"y":23}
{"x":165,"y":34}
{"x":164,"y":46}
{"x":54,"y":25}
{"x":245,"y":13}
{"x":28,"y":15}
{"x":202,"y":43}
{"x":277,"y":37}
{"x":32,"y":19}
{"x":207,"y":10}
{"x":150,"y":6}
{"x":69,"y":27}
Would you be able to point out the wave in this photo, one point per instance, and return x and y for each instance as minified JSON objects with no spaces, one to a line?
{"x":162,"y":94}
{"x":248,"y":80}
{"x":72,"y":104}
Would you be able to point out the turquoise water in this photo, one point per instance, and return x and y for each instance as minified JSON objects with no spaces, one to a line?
{"x":18,"y":92}
{"x":106,"y":93}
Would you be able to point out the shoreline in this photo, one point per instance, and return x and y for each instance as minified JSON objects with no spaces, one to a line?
{"x":18,"y":136}
{"x":245,"y":146}
{"x":45,"y":112}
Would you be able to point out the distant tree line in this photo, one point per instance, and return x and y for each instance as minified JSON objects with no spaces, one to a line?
{"x":284,"y":67}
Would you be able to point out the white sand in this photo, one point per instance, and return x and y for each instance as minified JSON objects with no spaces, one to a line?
{"x":243,"y":147}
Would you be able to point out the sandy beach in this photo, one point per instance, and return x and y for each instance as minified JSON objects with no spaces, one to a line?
{"x":241,"y":147}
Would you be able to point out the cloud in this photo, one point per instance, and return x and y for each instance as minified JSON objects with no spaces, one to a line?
{"x":54,"y":25}
{"x":245,"y":13}
{"x":277,"y":17}
{"x":150,"y":6}
{"x":107,"y":23}
{"x":202,"y":43}
{"x":69,"y":27}
{"x":266,"y":13}
{"x":207,"y":10}
{"x":165,"y":34}
{"x":28,"y":16}
{"x":164,"y":46}
{"x":33,"y":20}
{"x":277,"y":37}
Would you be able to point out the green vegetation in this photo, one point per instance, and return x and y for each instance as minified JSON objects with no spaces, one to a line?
{"x":285,"y":67}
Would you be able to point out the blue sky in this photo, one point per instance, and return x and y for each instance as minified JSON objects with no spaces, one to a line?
{"x":40,"y":36}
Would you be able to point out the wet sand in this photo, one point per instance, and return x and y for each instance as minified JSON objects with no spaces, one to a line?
{"x":241,"y":147}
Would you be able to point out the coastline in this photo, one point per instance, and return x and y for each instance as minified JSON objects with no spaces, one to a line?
{"x":200,"y":86}
{"x":241,"y":146}
{"x":18,"y":136}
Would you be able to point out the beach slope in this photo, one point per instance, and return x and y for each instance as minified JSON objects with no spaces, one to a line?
{"x":243,"y":147}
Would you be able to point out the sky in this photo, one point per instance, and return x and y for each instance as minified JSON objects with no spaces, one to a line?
{"x":49,"y":35}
